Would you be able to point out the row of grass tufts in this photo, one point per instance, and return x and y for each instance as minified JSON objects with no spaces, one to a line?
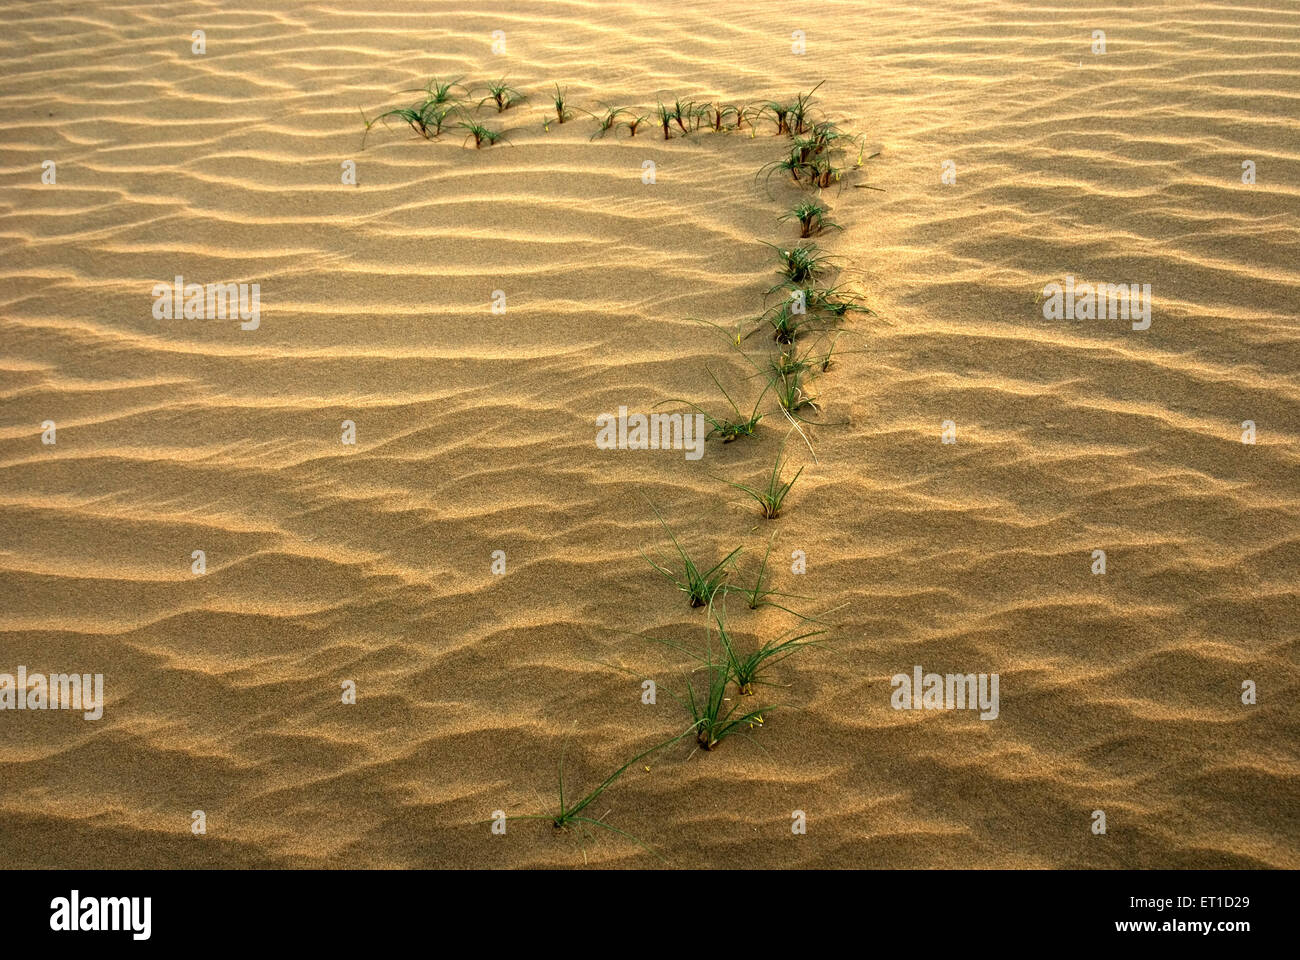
{"x":805,"y":325}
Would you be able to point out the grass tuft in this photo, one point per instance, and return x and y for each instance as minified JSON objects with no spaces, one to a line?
{"x":503,"y":95}
{"x":771,"y":498}
{"x":438,"y":91}
{"x":759,"y":595}
{"x":560,"y":100}
{"x":570,"y":814}
{"x":426,"y":119}
{"x":633,"y":123}
{"x":664,"y":116}
{"x":835,"y":303}
{"x":746,"y":669}
{"x":608,"y":121}
{"x":480,"y":134}
{"x":684,"y":113}
{"x":799,"y":111}
{"x":779,"y":112}
{"x":790,"y":391}
{"x":824,"y":172}
{"x":714,"y":719}
{"x":811,"y":217}
{"x":727,"y":429}
{"x":800,"y":266}
{"x":699,"y":587}
{"x":791,"y":164}
{"x":787,"y":323}
{"x":717,"y":115}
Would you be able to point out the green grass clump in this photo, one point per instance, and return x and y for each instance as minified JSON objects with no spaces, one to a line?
{"x":746,"y":668}
{"x":804,"y":148}
{"x":800,"y":266}
{"x":787,"y":323}
{"x":759,"y":595}
{"x":503,"y":95}
{"x":717,"y":115}
{"x":714,"y":715}
{"x":825,"y":359}
{"x":790,"y":390}
{"x":699,"y":587}
{"x":790,"y":362}
{"x":714,"y":721}
{"x":727,"y":429}
{"x":572,"y":813}
{"x":811,"y":217}
{"x":560,"y":100}
{"x":664,"y":115}
{"x":426,"y":119}
{"x":749,"y":114}
{"x":824,"y":172}
{"x":684,"y":113}
{"x":439,"y":91}
{"x":771,"y":497}
{"x":799,"y":111}
{"x":834,"y":302}
{"x":633,"y":123}
{"x":780,"y":113}
{"x":793,"y":164}
{"x":480,"y":134}
{"x":606,"y":122}
{"x":826,"y":136}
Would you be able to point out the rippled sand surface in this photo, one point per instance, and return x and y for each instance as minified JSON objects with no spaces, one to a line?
{"x":475,"y":433}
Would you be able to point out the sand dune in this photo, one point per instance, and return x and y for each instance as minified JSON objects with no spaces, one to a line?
{"x":370,"y":563}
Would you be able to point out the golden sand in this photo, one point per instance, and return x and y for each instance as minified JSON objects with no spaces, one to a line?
{"x":328,"y":563}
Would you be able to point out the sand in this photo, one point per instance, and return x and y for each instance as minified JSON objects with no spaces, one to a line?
{"x":370,"y":563}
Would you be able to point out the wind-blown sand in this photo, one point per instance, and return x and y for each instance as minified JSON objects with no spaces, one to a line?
{"x":329,"y":563}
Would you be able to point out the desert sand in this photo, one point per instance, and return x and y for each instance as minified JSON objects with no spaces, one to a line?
{"x":329,"y":563}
